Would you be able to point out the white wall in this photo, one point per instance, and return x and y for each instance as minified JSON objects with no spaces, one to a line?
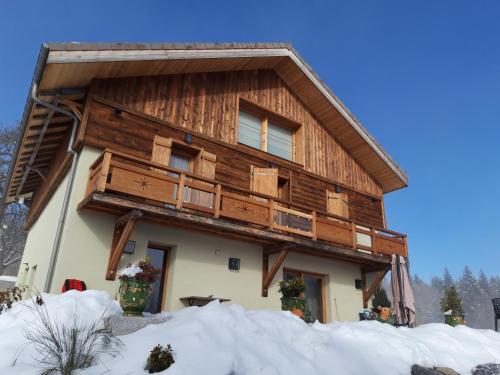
{"x":196,"y":268}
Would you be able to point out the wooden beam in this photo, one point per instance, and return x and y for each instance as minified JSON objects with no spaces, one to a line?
{"x":123,"y":229}
{"x":268,"y":274}
{"x":368,"y":292}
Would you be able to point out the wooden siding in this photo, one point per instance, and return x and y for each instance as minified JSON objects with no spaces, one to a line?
{"x":208,"y":103}
{"x":133,"y":134}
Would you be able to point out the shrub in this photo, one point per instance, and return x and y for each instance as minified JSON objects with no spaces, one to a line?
{"x":451,"y":301}
{"x":292,"y":287}
{"x":380,"y":298}
{"x":8,"y":298}
{"x":64,"y":347}
{"x":143,"y":271}
{"x":160,"y":359}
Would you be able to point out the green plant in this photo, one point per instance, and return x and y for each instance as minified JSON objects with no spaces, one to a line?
{"x":380,"y":298}
{"x":292,"y":287}
{"x":160,"y":359}
{"x":67,"y":346}
{"x":451,"y":301}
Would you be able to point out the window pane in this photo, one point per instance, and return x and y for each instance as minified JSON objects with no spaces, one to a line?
{"x":249,"y":129}
{"x":180,"y":162}
{"x":279,"y":141}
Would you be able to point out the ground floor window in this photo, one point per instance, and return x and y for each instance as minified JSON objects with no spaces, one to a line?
{"x":314,"y":293}
{"x":158,"y":257}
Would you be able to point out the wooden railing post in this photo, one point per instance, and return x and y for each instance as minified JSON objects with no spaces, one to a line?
{"x":405,"y":240}
{"x":180,"y":191}
{"x":313,"y":226}
{"x":217,"y":200}
{"x":271,"y":213}
{"x":103,"y":174}
{"x":354,"y":237}
{"x":373,"y":240}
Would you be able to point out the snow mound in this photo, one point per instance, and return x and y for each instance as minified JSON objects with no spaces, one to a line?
{"x":11,"y":279}
{"x":87,"y":306}
{"x":228,"y":340}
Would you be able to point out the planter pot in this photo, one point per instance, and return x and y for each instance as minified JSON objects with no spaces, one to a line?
{"x":134,"y":296}
{"x":454,"y":320}
{"x":296,"y":305}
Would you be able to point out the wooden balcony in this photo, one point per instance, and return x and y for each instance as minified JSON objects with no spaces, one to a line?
{"x":120,"y":183}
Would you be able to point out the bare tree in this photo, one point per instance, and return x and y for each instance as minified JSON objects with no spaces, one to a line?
{"x":12,"y":215}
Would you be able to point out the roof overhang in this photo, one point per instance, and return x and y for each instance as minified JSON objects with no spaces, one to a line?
{"x":75,"y":65}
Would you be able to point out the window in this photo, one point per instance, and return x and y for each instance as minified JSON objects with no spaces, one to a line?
{"x":270,"y":132}
{"x":181,"y":162}
{"x":279,"y":141}
{"x":249,"y":130}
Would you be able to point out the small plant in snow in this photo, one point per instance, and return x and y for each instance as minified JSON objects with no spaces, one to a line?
{"x":451,"y":301}
{"x":160,"y":359}
{"x":64,"y":347}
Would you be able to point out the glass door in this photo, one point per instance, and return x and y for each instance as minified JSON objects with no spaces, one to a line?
{"x":314,"y":292}
{"x":158,"y":259}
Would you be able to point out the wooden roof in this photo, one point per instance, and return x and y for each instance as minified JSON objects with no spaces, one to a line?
{"x":73,"y":65}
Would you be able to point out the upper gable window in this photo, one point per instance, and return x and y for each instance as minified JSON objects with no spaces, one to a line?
{"x":269,"y":132}
{"x":249,"y":130}
{"x":279,"y":141}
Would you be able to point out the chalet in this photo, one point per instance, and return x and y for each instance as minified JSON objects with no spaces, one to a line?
{"x":231,"y":166}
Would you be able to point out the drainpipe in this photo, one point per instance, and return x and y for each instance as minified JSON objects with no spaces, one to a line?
{"x":69,"y":186}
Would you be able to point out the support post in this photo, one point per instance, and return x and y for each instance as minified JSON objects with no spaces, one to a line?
{"x":368,"y":292}
{"x":123,"y":229}
{"x":269,"y":273}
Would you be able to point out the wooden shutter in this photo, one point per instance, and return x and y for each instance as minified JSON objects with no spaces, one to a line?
{"x":162,"y":148}
{"x":264,"y":180}
{"x":206,"y":165}
{"x":337,"y":203}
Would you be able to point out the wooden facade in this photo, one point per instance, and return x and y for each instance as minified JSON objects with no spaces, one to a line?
{"x":208,"y":103}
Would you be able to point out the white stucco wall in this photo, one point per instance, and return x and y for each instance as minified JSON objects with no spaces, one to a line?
{"x":196,"y":268}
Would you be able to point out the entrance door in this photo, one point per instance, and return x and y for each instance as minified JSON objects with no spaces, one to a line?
{"x":313,"y":294}
{"x":158,"y":258}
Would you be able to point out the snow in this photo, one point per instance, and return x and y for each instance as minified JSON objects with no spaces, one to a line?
{"x":130,"y":271}
{"x":223,"y":340}
{"x":11,"y":279}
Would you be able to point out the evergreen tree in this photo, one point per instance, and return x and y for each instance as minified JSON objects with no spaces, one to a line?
{"x":380,"y":298}
{"x":447,"y":279}
{"x":474,"y":301}
{"x":451,"y":301}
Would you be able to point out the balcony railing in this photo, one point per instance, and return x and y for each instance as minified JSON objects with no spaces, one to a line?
{"x":137,"y":178}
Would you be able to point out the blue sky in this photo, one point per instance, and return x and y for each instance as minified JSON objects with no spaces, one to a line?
{"x":422,"y":76}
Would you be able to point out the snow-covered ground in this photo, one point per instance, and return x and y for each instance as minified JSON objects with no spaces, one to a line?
{"x":223,"y":340}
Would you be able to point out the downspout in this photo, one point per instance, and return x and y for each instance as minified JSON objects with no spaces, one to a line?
{"x":69,"y":186}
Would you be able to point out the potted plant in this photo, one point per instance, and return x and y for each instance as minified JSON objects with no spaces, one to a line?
{"x":293,"y":296}
{"x":136,"y":287}
{"x":451,"y":305}
{"x":381,"y":305}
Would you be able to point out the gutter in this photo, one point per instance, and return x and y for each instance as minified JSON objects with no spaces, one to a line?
{"x":69,"y":187}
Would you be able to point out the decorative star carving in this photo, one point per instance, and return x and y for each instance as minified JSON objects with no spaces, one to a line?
{"x":244,"y":208}
{"x":143,"y":183}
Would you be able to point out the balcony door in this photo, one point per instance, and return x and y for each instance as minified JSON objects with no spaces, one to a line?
{"x":158,"y":257}
{"x":314,"y":293}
